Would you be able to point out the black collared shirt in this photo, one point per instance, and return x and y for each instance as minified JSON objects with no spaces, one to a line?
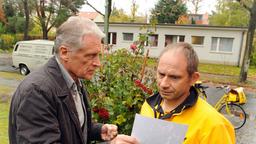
{"x":155,"y":102}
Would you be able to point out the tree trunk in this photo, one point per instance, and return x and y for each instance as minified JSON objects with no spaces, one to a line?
{"x":43,"y":18}
{"x":249,"y":44}
{"x":26,"y":11}
{"x":45,"y":32}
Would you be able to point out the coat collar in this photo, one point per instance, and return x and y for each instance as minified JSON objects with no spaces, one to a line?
{"x":155,"y":103}
{"x":55,"y":73}
{"x":64,"y":93}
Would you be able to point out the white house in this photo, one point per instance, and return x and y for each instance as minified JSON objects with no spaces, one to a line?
{"x":213,"y":44}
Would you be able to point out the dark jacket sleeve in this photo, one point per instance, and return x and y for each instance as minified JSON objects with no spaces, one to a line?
{"x":96,"y":131}
{"x":36,"y":118}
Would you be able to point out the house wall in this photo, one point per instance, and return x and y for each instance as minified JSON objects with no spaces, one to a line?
{"x":204,"y":51}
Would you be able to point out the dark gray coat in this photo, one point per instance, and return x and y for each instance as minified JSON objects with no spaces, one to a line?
{"x":43,"y":111}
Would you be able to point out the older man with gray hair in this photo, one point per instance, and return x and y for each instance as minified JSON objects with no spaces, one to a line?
{"x":51,"y":105}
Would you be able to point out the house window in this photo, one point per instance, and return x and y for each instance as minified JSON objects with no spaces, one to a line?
{"x":220,"y":44}
{"x":112,"y":38}
{"x":195,"y":17}
{"x":169,"y":39}
{"x":197,"y":40}
{"x":153,"y":40}
{"x":128,"y":36}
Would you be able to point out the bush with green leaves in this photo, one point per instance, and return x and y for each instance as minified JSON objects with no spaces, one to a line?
{"x":7,"y":41}
{"x":114,"y":96}
{"x":253,"y":59}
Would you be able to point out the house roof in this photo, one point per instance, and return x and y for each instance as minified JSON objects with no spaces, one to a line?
{"x":89,"y":15}
{"x":188,"y":26}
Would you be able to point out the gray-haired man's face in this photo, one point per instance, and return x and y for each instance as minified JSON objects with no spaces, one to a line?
{"x":83,"y":62}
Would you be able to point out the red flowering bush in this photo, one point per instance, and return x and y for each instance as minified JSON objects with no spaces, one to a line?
{"x":115,"y":94}
{"x":133,"y":47}
{"x":102,"y":112}
{"x":143,"y":87}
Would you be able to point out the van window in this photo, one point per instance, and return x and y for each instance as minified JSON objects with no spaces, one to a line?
{"x":16,"y":47}
{"x":53,"y":50}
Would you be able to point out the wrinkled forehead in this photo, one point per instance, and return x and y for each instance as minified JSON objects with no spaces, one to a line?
{"x":173,"y":59}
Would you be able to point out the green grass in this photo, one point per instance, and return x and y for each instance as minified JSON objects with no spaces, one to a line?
{"x":9,"y":75}
{"x":4,"y":112}
{"x":225,"y":74}
{"x":220,"y":79}
{"x":5,"y":90}
{"x":217,"y":69}
{"x":224,"y":69}
{"x":4,"y":105}
{"x":6,"y":51}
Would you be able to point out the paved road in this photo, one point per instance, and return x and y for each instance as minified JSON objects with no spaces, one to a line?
{"x":5,"y":59}
{"x":247,"y":134}
{"x":6,"y":63}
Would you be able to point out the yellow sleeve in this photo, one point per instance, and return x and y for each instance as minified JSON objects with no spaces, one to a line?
{"x":146,"y":110}
{"x":220,"y":134}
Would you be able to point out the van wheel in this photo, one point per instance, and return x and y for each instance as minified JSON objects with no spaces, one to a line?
{"x":24,"y":70}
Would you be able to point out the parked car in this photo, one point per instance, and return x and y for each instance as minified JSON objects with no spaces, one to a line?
{"x":29,"y":55}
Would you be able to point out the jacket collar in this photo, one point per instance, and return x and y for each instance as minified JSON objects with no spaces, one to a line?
{"x":155,"y":103}
{"x":64,"y":93}
{"x":55,"y":73}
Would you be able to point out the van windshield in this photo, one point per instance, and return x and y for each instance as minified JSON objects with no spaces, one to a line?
{"x":16,"y":47}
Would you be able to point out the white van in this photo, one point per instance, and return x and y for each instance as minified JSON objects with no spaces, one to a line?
{"x":29,"y":55}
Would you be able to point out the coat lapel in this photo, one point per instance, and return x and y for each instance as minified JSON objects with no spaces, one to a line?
{"x":64,"y":94}
{"x":69,"y":103}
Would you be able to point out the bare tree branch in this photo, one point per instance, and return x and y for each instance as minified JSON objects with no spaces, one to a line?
{"x":53,"y":24}
{"x":86,"y":2}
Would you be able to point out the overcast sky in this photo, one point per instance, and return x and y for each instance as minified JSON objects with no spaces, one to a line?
{"x":145,"y":5}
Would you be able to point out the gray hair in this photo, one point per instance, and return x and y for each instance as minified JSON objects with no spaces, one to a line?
{"x":188,"y":51}
{"x":72,"y":31}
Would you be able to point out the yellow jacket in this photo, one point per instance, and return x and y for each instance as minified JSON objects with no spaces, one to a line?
{"x":206,"y":125}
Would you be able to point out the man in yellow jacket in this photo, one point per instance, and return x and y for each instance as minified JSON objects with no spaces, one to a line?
{"x":178,"y":101}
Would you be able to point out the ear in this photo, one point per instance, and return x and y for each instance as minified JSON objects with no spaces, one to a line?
{"x":63,"y":53}
{"x":195,"y":77}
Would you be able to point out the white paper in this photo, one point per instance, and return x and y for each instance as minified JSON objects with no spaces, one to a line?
{"x":156,"y":131}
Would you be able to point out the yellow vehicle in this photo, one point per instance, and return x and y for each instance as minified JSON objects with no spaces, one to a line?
{"x":229,"y":104}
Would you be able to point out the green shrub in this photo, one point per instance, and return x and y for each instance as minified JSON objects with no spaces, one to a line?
{"x":253,"y":59}
{"x":113,"y":91}
{"x":19,"y":37}
{"x":7,"y":41}
{"x":2,"y":28}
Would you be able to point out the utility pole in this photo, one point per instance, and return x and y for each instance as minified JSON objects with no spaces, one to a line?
{"x":106,"y":22}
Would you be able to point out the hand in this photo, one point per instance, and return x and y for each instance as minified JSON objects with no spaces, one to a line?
{"x":108,"y":132}
{"x":124,"y":139}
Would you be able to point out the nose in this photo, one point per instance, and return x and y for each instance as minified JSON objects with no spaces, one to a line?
{"x":165,"y":83}
{"x":97,"y":62}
